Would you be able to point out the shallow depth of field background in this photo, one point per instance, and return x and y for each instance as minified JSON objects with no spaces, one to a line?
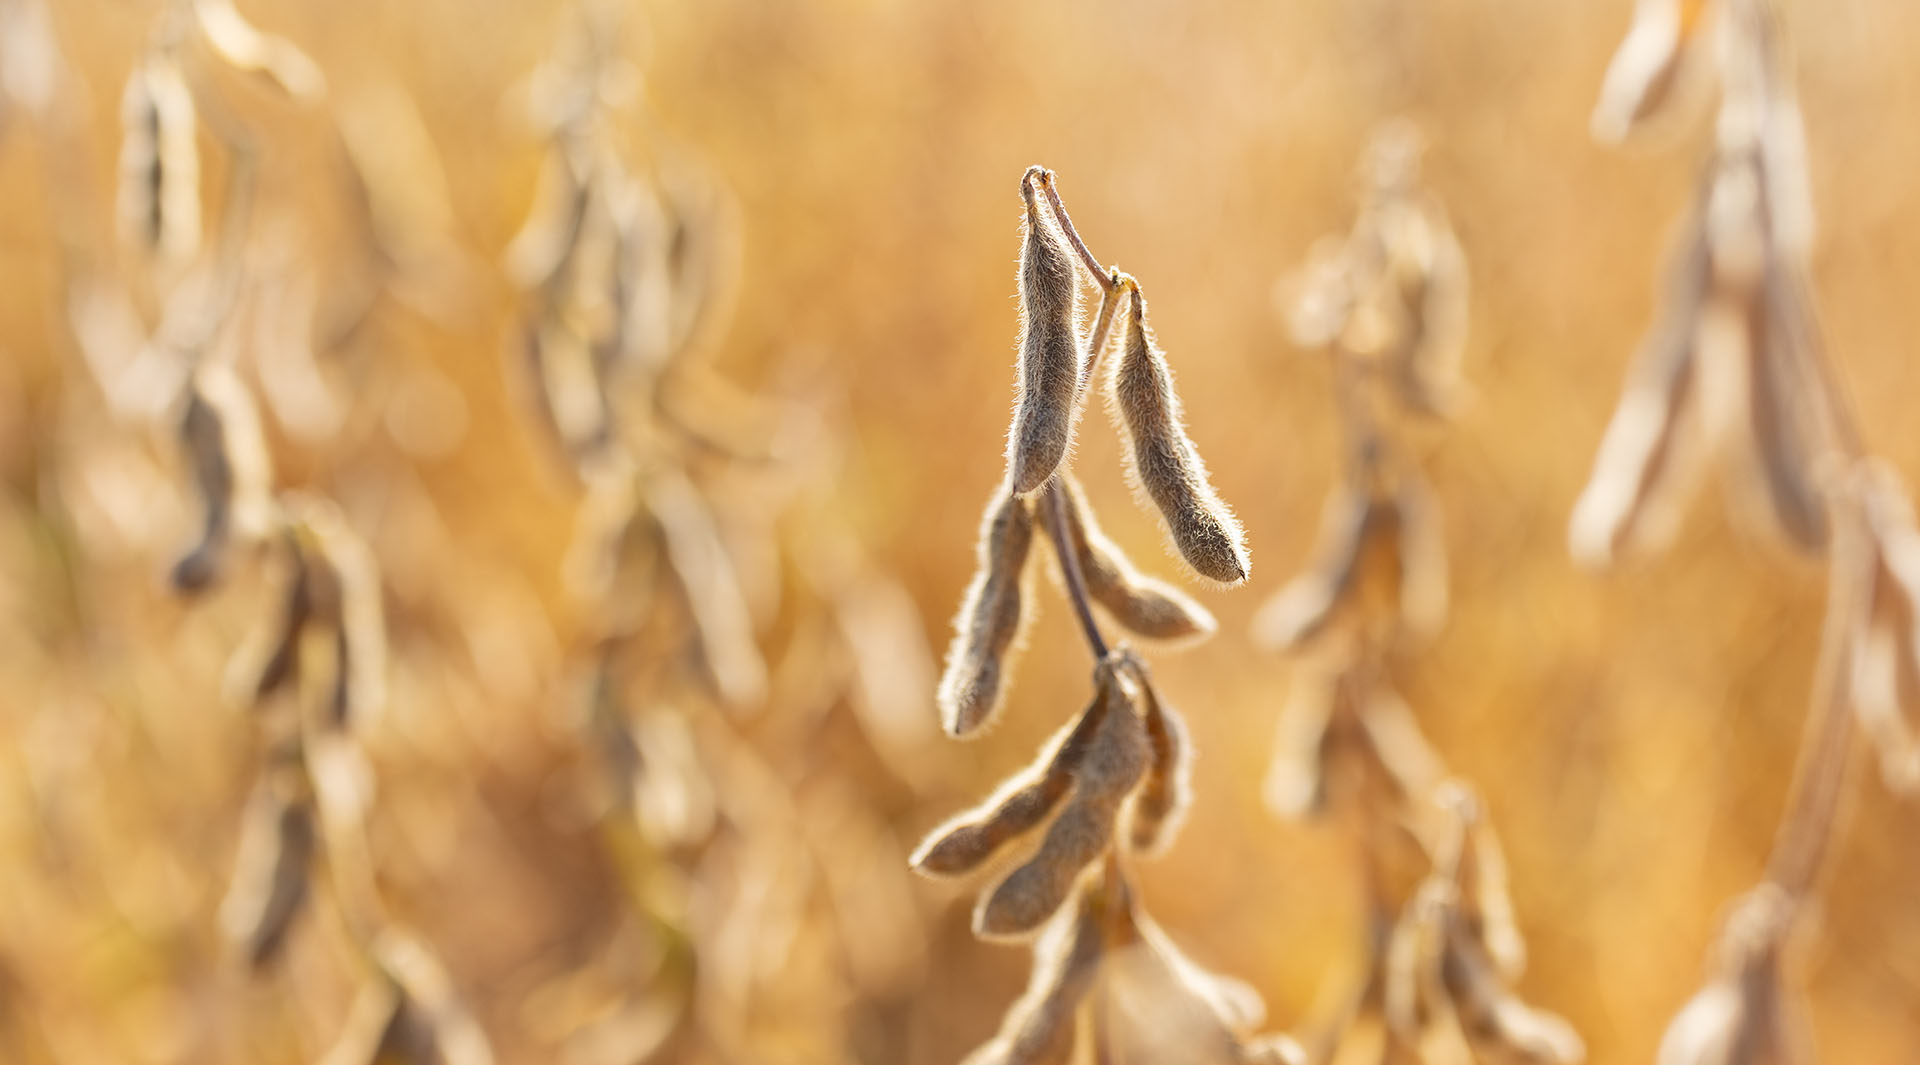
{"x":1632,"y":732}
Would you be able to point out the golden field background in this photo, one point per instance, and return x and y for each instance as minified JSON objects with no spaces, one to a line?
{"x":1632,"y":733}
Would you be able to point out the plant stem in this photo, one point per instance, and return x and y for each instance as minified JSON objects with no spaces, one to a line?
{"x":1101,"y":275}
{"x":1070,"y":567}
{"x":1820,"y":774}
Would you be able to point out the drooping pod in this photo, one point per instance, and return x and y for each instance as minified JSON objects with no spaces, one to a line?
{"x":989,"y":620}
{"x":269,"y":883}
{"x":220,"y":433}
{"x":697,"y":559}
{"x":1116,"y":758}
{"x":265,"y":662}
{"x":1039,"y":1029}
{"x":1649,"y":455}
{"x":1160,"y":802}
{"x":344,"y":599}
{"x":1381,"y":571}
{"x":965,"y":842}
{"x":1746,"y":1014}
{"x":1647,"y":70}
{"x":272,"y":59}
{"x":1162,"y":460}
{"x":1885,"y":666}
{"x":1145,"y":606}
{"x":1050,"y":365}
{"x":159,"y":191}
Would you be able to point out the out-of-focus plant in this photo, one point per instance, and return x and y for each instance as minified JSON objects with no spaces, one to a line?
{"x":314,"y":664}
{"x":1734,"y":370}
{"x":1387,"y":305}
{"x":728,"y":839}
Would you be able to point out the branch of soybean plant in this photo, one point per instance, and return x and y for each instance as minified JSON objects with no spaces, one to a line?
{"x":1070,"y":569}
{"x":1819,"y":777}
{"x":1101,"y":275}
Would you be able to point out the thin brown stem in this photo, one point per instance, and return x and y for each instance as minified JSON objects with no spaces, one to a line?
{"x":1103,"y":322}
{"x":1820,"y":774}
{"x":1070,"y":569}
{"x":1102,"y":276}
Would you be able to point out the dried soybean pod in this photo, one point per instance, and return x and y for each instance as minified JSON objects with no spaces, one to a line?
{"x":431,"y":1024}
{"x":1145,"y":606}
{"x":1115,"y":760}
{"x":1649,"y":65}
{"x":1785,"y":437}
{"x":159,"y":192}
{"x":272,"y":59}
{"x":1646,"y":458}
{"x":1162,"y":798}
{"x":351,"y":606}
{"x":204,"y":439}
{"x":1163,"y":462}
{"x":989,"y":619}
{"x":265,"y":662}
{"x":1042,"y":428}
{"x":710,"y":587}
{"x":1039,"y":1029}
{"x":969,"y":839}
{"x":270,"y":869}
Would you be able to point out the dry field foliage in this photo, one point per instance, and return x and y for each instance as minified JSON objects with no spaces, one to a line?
{"x":507,"y":552}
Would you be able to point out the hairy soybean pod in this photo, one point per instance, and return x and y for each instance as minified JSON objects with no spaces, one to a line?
{"x":1114,"y":762}
{"x":962,"y":844}
{"x":1040,"y":1028}
{"x":1050,"y":368}
{"x":1162,"y":798}
{"x":989,"y":619}
{"x":1163,"y":462}
{"x":1145,"y":606}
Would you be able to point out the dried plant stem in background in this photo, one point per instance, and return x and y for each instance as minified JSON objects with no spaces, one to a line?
{"x":1743,"y":302}
{"x":1114,"y":782}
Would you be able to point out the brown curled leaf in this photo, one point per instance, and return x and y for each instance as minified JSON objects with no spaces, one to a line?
{"x":965,"y":842}
{"x":1647,"y":457}
{"x":1143,"y":605}
{"x":1161,"y":801}
{"x":1050,"y":364}
{"x":159,"y":189}
{"x":990,"y":618}
{"x":1115,"y":760}
{"x":1162,"y":461}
